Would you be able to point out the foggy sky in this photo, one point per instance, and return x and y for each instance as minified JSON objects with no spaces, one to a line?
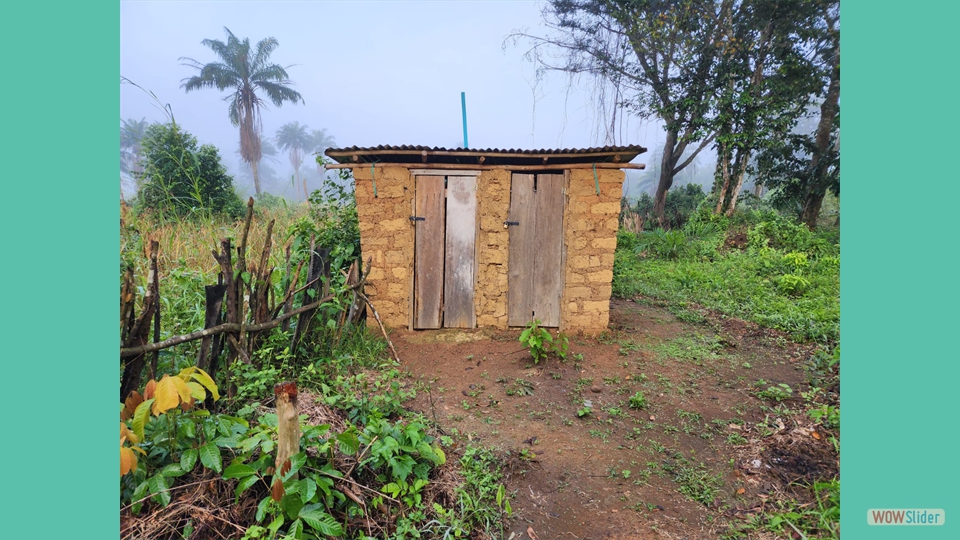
{"x":370,"y":73}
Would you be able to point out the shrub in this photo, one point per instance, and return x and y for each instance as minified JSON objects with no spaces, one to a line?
{"x":182,"y":178}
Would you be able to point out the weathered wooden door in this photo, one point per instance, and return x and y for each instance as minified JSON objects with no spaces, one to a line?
{"x":534,"y":278}
{"x":445,"y":252}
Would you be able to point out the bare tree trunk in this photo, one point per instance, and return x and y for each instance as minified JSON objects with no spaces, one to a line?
{"x":724,"y":165}
{"x":666,"y":176}
{"x":819,"y":163}
{"x":256,"y":176}
{"x":740,"y":168}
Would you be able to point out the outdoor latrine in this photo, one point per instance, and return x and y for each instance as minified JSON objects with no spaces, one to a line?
{"x":465,"y":238}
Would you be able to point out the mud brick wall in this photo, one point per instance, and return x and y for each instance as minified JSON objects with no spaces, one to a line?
{"x":590,"y":237}
{"x":493,"y":205}
{"x":386,"y":236}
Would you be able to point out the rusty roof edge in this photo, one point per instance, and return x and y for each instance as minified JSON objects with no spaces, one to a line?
{"x":630,"y":152}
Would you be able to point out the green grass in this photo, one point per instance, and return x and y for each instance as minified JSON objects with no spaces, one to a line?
{"x":798,"y":292}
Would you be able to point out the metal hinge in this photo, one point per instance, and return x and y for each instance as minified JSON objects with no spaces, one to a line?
{"x":417,"y":218}
{"x":509,"y":223}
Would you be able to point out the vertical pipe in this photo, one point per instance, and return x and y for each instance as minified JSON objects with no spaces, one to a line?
{"x":463,"y":106}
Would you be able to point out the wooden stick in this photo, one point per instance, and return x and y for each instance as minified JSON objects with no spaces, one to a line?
{"x":478,"y":167}
{"x":288,"y":424}
{"x":226,"y":327}
{"x":382,"y":329}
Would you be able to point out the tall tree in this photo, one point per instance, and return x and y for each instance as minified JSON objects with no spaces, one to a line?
{"x":296,"y":141}
{"x":131,"y":134}
{"x":804,"y":165}
{"x":248,"y":74}
{"x":765,"y":79}
{"x":321,"y":141}
{"x":660,"y":54}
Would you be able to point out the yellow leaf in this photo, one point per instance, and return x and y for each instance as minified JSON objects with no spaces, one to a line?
{"x":126,"y":434}
{"x":196,"y":390}
{"x":182,"y":389}
{"x":128,"y":461}
{"x":166,"y":395}
{"x":201,"y":377}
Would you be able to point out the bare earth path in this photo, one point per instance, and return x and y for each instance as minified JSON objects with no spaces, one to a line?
{"x":704,"y":451}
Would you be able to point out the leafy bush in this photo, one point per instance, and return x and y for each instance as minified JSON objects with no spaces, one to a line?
{"x":679,"y":204}
{"x":181,"y":178}
{"x":661,"y":243}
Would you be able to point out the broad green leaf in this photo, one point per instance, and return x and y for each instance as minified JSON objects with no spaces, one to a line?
{"x":296,"y":529}
{"x":262,"y":508}
{"x":188,"y":459}
{"x":160,"y":489}
{"x":140,"y":417}
{"x":320,"y":521}
{"x":138,"y":494}
{"x":210,"y":457}
{"x":348,"y":443}
{"x":247,"y":445}
{"x":244,"y":484}
{"x":173,"y":470}
{"x":291,"y":505}
{"x":238,"y":470}
{"x":442,"y":457}
{"x":227,"y":442}
{"x":201,"y":377}
{"x":275,"y":524}
{"x":308,"y":491}
{"x":296,"y":461}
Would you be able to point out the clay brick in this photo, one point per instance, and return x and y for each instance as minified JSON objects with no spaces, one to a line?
{"x":399,"y":272}
{"x":605,"y":243}
{"x":605,"y":208}
{"x":573,"y":307}
{"x":603,"y":276}
{"x":595,"y":306}
{"x":574,"y":293}
{"x":579,"y":261}
{"x":394,"y":224}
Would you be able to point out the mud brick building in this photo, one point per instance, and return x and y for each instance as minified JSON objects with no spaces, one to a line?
{"x":466,"y":238}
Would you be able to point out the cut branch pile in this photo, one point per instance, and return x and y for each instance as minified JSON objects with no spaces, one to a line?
{"x":240,"y":307}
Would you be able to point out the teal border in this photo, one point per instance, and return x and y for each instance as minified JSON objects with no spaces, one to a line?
{"x":59,"y":268}
{"x":899,"y":278}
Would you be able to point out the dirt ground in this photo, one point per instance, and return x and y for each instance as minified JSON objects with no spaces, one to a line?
{"x":583,"y":464}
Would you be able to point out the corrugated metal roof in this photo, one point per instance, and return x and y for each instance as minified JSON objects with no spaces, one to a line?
{"x":490,"y":156}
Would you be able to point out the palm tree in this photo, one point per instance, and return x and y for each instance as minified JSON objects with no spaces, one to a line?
{"x":245,"y":72}
{"x":322,"y":141}
{"x":294,"y":139}
{"x":131,"y":133}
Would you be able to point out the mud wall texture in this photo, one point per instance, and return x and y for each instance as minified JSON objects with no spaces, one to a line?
{"x":590,"y":239}
{"x":386,"y":236}
{"x":493,"y":205}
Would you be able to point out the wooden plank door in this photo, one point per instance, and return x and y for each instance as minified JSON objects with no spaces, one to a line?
{"x":522,"y":222}
{"x":459,"y":279}
{"x":428,"y":252}
{"x":535,"y":265}
{"x":547,"y":285}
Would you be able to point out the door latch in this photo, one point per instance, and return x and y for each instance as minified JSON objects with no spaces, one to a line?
{"x":509,"y":223}
{"x":417,"y":218}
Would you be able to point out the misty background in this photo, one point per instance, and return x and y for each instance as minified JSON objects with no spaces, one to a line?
{"x":375,"y":73}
